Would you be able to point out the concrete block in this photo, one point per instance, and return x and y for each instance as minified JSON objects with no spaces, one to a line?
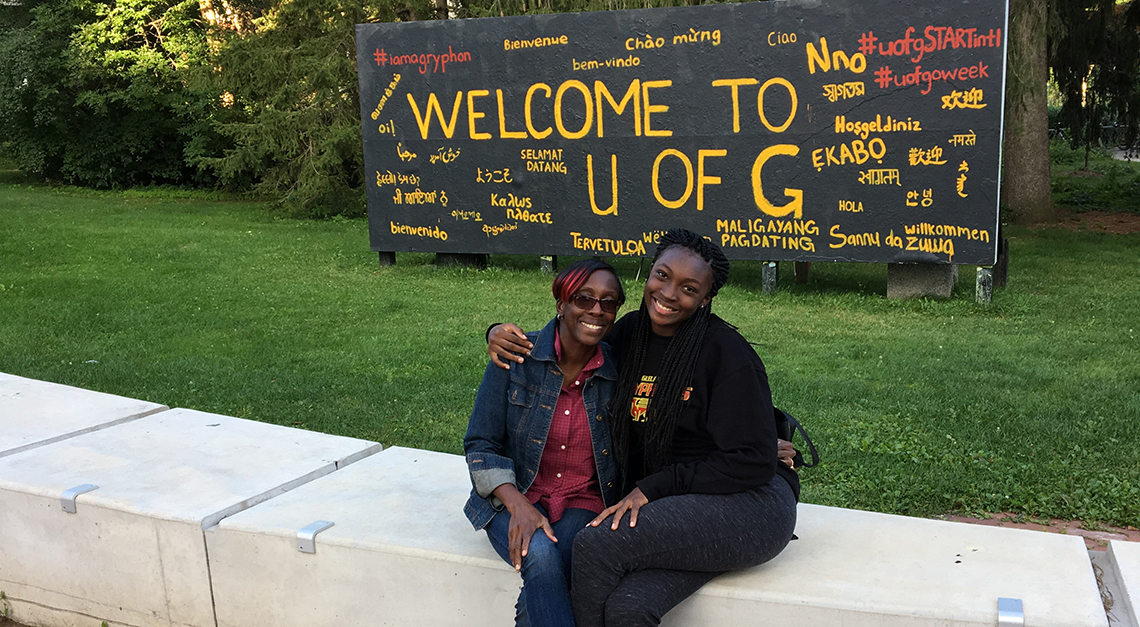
{"x":856,"y":568}
{"x":548,"y":263}
{"x":401,"y":552}
{"x":916,"y":280}
{"x":984,"y":286}
{"x":769,"y":276}
{"x":1125,"y":560}
{"x":134,"y":551}
{"x":1111,"y":592}
{"x":34,"y":413}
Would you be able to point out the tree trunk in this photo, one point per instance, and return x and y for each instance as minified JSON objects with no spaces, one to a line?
{"x":1025,"y":181}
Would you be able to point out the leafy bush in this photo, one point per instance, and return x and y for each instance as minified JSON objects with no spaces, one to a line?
{"x":1108,"y":184}
{"x":1061,"y":153}
{"x":92,"y":91}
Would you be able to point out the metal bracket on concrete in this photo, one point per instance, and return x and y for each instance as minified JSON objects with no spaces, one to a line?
{"x":307,"y":537}
{"x":67,"y":500}
{"x":1010,"y":613}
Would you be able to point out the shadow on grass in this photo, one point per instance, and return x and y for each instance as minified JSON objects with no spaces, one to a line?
{"x":11,"y":176}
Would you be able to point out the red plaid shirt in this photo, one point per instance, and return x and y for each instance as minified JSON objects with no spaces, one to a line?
{"x":567,"y":475}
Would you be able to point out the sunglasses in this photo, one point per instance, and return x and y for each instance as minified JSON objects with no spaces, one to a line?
{"x":585,"y":302}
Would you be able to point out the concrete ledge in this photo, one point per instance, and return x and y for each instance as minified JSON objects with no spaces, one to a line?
{"x":401,"y":552}
{"x":34,"y":413}
{"x":1125,"y":560}
{"x":399,"y":531}
{"x":862,"y":568}
{"x":195,"y":520}
{"x":134,"y":553}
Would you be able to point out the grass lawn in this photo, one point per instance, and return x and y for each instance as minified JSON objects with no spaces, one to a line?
{"x":919,"y":407}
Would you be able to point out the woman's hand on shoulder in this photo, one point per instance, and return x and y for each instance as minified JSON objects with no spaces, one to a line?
{"x":632,"y":503}
{"x":507,"y":343}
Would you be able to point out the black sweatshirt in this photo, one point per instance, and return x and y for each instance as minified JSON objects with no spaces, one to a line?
{"x":726,"y":434}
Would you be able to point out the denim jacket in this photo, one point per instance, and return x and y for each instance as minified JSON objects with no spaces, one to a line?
{"x":511,"y":420}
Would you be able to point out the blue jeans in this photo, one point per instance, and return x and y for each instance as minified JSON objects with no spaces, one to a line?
{"x":546,"y":567}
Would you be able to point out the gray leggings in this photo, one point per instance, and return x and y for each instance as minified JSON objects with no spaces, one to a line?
{"x":633,"y":576}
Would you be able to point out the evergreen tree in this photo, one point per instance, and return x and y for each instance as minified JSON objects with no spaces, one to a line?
{"x":291,"y":118}
{"x":1117,"y":79}
{"x":1096,"y":66}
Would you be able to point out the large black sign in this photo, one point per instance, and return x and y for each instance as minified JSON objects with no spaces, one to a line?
{"x":842,"y":130}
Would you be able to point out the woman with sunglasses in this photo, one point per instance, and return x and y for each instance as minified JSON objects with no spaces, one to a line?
{"x":695,"y":436}
{"x":538,"y":443}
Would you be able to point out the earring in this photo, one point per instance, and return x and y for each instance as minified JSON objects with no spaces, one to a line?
{"x":561,"y":316}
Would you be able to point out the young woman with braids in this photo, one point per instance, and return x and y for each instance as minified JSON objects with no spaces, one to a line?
{"x":538,"y":445}
{"x":695,"y":437}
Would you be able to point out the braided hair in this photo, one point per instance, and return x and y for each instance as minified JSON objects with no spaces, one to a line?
{"x":676,"y":365}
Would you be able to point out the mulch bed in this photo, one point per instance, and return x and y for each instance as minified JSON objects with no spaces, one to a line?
{"x":1095,"y":222}
{"x":1096,"y":538}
